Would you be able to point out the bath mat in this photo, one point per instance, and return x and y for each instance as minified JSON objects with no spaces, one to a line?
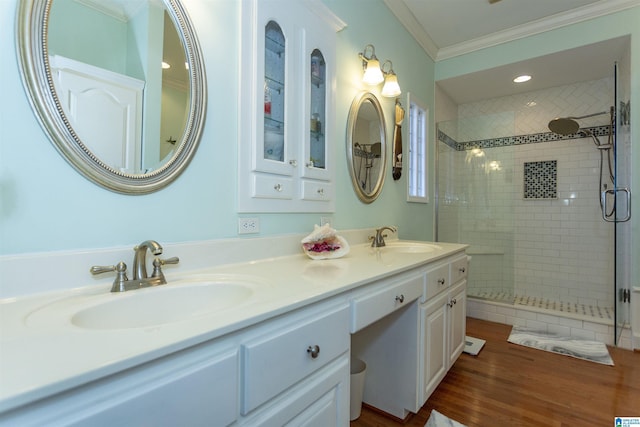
{"x":473,"y":345}
{"x":593,"y":351}
{"x":436,"y":419}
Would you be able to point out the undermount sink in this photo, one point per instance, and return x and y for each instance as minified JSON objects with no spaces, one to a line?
{"x":149,"y":307}
{"x":409,"y":247}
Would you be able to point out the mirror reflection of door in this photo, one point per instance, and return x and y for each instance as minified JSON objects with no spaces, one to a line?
{"x":367,"y":147}
{"x":125,"y":40}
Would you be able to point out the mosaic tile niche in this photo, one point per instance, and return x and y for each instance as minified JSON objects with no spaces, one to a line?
{"x":541,"y":180}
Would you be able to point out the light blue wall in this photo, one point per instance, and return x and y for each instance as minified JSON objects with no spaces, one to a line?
{"x":45,"y":205}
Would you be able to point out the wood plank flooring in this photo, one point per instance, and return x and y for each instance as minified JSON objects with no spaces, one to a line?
{"x":512,"y":385}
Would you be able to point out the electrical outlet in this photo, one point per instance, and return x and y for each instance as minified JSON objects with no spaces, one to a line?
{"x":248,"y":225}
{"x":325,"y":220}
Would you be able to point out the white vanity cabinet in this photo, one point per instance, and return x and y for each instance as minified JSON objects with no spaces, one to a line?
{"x":443,"y":322}
{"x":298,"y":369}
{"x":198,"y":385}
{"x":291,"y":370}
{"x":286,"y":151}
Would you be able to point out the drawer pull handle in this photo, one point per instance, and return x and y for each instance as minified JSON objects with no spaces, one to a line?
{"x":462,"y":269}
{"x":441,"y":281}
{"x":452,"y":303}
{"x":400,"y":298}
{"x":314,"y":351}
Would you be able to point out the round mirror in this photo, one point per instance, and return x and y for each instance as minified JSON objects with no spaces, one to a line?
{"x":118,"y":86}
{"x":366,"y":146}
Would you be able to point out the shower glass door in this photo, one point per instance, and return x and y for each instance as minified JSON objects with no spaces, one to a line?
{"x":621,"y":199}
{"x":475,"y":201}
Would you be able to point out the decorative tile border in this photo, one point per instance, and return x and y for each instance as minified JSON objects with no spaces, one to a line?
{"x":517,"y":139}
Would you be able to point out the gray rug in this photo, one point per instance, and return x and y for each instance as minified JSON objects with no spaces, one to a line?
{"x":436,"y":419}
{"x":593,"y":351}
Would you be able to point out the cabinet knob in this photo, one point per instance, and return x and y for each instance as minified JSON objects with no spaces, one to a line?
{"x":278,"y":187}
{"x":441,"y":281}
{"x":400,"y":298}
{"x":462,"y":269}
{"x":314,"y":351}
{"x":293,"y":163}
{"x":321,"y":191}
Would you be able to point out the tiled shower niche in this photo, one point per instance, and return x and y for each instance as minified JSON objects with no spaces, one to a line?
{"x":540,"y":180}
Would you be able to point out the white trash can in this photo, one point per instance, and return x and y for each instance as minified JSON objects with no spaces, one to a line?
{"x":358,"y":369}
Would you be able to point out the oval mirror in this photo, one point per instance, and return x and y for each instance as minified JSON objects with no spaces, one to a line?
{"x":118,"y":86}
{"x":366,"y":146}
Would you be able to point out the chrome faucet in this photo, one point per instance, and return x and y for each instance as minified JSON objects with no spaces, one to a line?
{"x":378,"y":240}
{"x":140,"y":257}
{"x":140,"y":277}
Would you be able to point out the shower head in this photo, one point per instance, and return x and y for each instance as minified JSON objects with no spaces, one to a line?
{"x":563,"y":126}
{"x":569,"y":125}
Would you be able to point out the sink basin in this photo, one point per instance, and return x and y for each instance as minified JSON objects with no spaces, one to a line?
{"x":180,"y":300}
{"x":156,"y":306}
{"x":409,"y":247}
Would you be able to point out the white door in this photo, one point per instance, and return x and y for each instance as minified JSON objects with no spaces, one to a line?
{"x":104,"y":109}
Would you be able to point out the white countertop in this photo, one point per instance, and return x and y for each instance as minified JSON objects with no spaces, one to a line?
{"x":43,"y":353}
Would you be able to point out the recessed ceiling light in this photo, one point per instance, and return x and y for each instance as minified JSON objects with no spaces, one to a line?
{"x":521,"y":79}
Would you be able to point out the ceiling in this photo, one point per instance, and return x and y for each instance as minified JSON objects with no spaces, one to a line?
{"x":448,"y":28}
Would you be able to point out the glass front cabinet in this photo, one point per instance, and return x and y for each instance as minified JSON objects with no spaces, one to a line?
{"x":286,"y":157}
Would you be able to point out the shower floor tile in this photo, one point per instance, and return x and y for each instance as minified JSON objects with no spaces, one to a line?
{"x":546,"y":304}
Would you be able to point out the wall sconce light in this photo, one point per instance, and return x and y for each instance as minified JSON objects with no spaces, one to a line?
{"x":374,"y":74}
{"x":371,"y":65}
{"x":391,"y":88}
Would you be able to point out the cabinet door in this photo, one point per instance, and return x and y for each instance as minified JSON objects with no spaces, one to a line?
{"x":435,"y":355}
{"x":277,"y":42}
{"x":457,"y":321}
{"x":321,"y":400}
{"x":318,"y":100}
{"x":198,"y":386}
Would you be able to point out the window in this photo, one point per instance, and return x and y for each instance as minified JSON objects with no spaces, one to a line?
{"x":417,"y":179}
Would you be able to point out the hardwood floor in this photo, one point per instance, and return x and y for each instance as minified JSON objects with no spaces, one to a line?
{"x":512,"y":385}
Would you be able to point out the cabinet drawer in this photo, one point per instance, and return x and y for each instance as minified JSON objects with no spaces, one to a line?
{"x":437,"y":280}
{"x":276,"y":362}
{"x":321,"y":191}
{"x":272,"y":187}
{"x":459,"y":269}
{"x":373,"y":306}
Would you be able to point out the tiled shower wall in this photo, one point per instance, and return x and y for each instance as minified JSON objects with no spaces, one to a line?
{"x":553,"y":248}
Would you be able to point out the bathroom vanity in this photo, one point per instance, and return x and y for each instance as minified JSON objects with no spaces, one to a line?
{"x":276,"y":351}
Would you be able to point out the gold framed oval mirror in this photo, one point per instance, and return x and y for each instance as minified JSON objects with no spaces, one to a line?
{"x":366,"y":146}
{"x":92,"y":68}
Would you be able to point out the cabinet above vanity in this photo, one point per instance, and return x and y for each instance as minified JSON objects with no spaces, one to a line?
{"x":286,"y":156}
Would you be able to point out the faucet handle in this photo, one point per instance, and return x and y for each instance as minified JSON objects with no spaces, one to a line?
{"x":121,"y":276}
{"x":157,"y":267}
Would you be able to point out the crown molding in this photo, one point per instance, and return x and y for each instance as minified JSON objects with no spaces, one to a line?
{"x":595,"y":10}
{"x":409,"y":21}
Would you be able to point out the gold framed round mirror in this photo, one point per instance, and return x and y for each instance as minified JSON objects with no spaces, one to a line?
{"x":95,"y":74}
{"x":366,"y":146}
